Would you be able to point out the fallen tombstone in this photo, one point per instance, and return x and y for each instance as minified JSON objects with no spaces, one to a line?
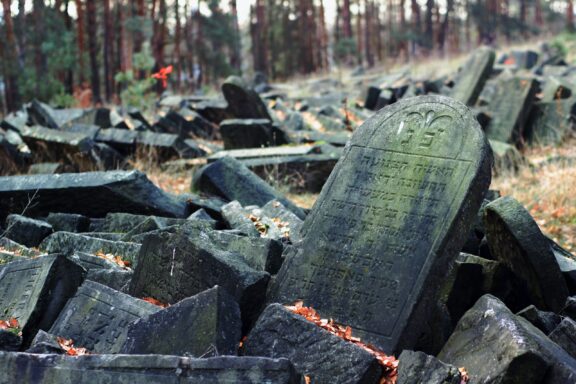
{"x":262,"y":254}
{"x":50,"y":145}
{"x":68,"y":222}
{"x":496,"y":346}
{"x":207,"y":324}
{"x":515,"y":239}
{"x":104,"y":270}
{"x":50,"y":168}
{"x":281,"y":333}
{"x":544,"y":321}
{"x":564,"y":335}
{"x":175,"y":266}
{"x":92,"y":194}
{"x":417,"y":367}
{"x":237,"y":218}
{"x":251,"y":133}
{"x":473,"y":75}
{"x":228,"y":178}
{"x":144,"y":369}
{"x":387,"y":197}
{"x":68,"y":243}
{"x":26,"y":231}
{"x":44,"y":342}
{"x":97,"y":317}
{"x":34,"y":291}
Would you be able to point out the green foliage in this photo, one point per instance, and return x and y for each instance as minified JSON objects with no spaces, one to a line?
{"x":63,"y":100}
{"x":137,"y":92}
{"x":345,"y":49}
{"x":43,"y":80}
{"x":563,"y":43}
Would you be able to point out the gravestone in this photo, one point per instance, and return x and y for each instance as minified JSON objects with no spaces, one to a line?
{"x":389,"y":221}
{"x":97,"y":317}
{"x":510,"y":105}
{"x":28,"y":368}
{"x":91,"y":194}
{"x":34,"y":291}
{"x":471,"y":79}
{"x":515,"y":239}
{"x":281,"y":333}
{"x":251,"y":133}
{"x":243,"y":102}
{"x":232,"y":180}
{"x":176,"y":266}
{"x":201,"y":325}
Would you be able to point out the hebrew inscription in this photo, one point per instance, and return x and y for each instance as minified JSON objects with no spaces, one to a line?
{"x":386,"y":216}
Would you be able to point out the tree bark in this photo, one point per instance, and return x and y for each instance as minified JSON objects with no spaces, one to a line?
{"x":108,"y":50}
{"x":10,"y":60}
{"x":80,"y":38}
{"x":93,"y":49}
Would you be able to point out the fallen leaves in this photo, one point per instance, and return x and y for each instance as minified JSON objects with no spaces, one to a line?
{"x":389,"y":363}
{"x":114,"y":259}
{"x":68,"y":346}
{"x":464,"y":378}
{"x":156,"y":302}
{"x":260,"y":226}
{"x":11,"y":325}
{"x":283,"y":226}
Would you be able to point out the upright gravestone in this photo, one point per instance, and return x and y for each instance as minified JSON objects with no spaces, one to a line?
{"x":393,"y":215}
{"x":473,"y":76}
{"x":243,"y":102}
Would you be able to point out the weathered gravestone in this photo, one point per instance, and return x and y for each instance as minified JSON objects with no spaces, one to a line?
{"x":92,"y":194}
{"x":515,"y":239}
{"x":510,"y":105}
{"x":27,"y":368}
{"x":243,"y":102}
{"x":251,"y":133}
{"x":229,"y":178}
{"x":97,"y":317}
{"x":473,"y":76}
{"x":202,"y":325}
{"x":389,"y":221}
{"x":176,"y":266}
{"x":34,"y":291}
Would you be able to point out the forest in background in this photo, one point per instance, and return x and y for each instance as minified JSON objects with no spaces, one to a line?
{"x":70,"y":52}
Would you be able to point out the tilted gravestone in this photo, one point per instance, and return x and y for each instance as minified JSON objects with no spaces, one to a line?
{"x":515,"y":239}
{"x":243,"y":102}
{"x":473,"y":76}
{"x":510,"y":107}
{"x":97,"y":317}
{"x":34,"y":291}
{"x":389,"y":221}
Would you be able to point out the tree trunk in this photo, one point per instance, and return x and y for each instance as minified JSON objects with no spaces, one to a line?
{"x":80,"y":39}
{"x":93,"y":49}
{"x":359,"y":36}
{"x":346,"y":20}
{"x":570,"y":16}
{"x":108,"y":48}
{"x":236,"y":52}
{"x":10,"y":66}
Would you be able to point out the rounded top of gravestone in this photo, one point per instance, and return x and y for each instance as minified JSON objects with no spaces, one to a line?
{"x":424,"y":125}
{"x":234,"y":83}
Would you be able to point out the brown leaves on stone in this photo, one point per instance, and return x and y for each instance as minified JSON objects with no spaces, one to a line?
{"x":260,"y":227}
{"x":158,"y":303}
{"x":389,"y":363}
{"x":68,"y":346}
{"x":114,"y":259}
{"x":11,"y":325}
